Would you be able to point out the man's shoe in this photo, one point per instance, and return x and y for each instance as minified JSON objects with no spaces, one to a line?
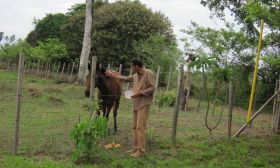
{"x":131,"y":151}
{"x":137,"y":154}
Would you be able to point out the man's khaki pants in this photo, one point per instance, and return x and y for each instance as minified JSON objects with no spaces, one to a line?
{"x":139,"y":127}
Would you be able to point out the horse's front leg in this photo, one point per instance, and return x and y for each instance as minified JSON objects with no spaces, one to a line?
{"x":104,"y":109}
{"x":100,"y":106}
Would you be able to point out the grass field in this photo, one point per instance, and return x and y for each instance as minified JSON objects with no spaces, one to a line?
{"x":51,"y":108}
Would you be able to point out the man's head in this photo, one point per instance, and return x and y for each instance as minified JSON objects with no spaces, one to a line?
{"x":137,"y":65}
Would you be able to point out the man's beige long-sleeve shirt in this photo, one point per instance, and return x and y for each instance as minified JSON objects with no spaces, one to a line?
{"x":144,"y":84}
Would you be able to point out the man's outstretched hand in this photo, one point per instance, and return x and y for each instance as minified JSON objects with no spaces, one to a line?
{"x":109,"y":73}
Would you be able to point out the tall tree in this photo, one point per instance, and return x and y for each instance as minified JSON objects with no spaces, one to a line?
{"x":48,"y":27}
{"x":117,"y":27}
{"x":86,"y":43}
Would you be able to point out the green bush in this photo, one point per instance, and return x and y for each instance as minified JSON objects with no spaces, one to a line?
{"x":167,"y":98}
{"x":86,"y":135}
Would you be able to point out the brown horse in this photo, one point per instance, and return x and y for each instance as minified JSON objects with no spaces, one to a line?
{"x":109,"y":93}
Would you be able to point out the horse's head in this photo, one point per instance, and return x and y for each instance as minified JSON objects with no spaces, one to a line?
{"x":99,"y":79}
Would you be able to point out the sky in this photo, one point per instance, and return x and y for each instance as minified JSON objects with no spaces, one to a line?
{"x":16,"y":18}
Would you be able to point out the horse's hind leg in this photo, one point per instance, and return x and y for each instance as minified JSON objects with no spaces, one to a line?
{"x":115,"y":112}
{"x":108,"y":109}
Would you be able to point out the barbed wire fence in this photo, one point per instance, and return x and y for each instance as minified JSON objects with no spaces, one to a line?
{"x":47,"y":132}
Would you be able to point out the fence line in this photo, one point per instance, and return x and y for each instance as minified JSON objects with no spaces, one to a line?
{"x":57,"y":71}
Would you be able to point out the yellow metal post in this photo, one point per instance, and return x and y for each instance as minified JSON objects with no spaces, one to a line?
{"x":255,"y":74}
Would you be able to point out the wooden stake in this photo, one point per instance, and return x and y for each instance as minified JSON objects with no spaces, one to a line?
{"x":68,"y":68}
{"x":255,"y":115}
{"x":92,"y":84}
{"x":230,"y":107}
{"x":19,"y":94}
{"x":275,"y":105}
{"x":73,"y":65}
{"x":120,"y":69}
{"x":156,"y":85}
{"x":177,"y":103}
{"x":46,"y":72}
{"x":49,"y":69}
{"x":62,"y":71}
{"x":58,"y":69}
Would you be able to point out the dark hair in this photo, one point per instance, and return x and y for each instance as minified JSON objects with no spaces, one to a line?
{"x":137,"y":62}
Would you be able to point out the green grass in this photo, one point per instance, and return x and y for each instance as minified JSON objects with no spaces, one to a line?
{"x":50,"y":110}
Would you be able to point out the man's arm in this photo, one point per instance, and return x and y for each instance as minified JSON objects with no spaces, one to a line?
{"x":118,"y":76}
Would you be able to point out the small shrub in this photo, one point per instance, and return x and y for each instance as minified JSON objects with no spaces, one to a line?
{"x":167,"y":98}
{"x":86,"y":135}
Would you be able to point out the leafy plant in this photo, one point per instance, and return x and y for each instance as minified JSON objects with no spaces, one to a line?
{"x":167,"y":98}
{"x":86,"y":135}
{"x":50,"y":50}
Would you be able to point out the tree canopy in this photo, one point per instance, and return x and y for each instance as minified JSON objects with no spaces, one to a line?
{"x":117,"y":30}
{"x":48,"y":27}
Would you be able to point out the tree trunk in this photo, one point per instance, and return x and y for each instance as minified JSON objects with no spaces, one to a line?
{"x":86,"y":43}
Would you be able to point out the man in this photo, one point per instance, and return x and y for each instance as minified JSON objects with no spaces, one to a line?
{"x":143,"y":91}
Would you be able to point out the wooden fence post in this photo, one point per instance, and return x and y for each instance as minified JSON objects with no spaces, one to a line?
{"x":177,"y":102}
{"x":275,"y":105}
{"x":73,"y":65}
{"x":157,"y":81}
{"x":68,"y":68}
{"x":57,"y":69}
{"x":255,"y":115}
{"x":32,"y":67}
{"x":230,"y":101}
{"x":130,"y":73}
{"x":40,"y":68}
{"x":62,"y":71}
{"x":46,"y":71}
{"x":19,"y":92}
{"x":120,"y":69}
{"x":92,"y":84}
{"x":277,"y":119}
